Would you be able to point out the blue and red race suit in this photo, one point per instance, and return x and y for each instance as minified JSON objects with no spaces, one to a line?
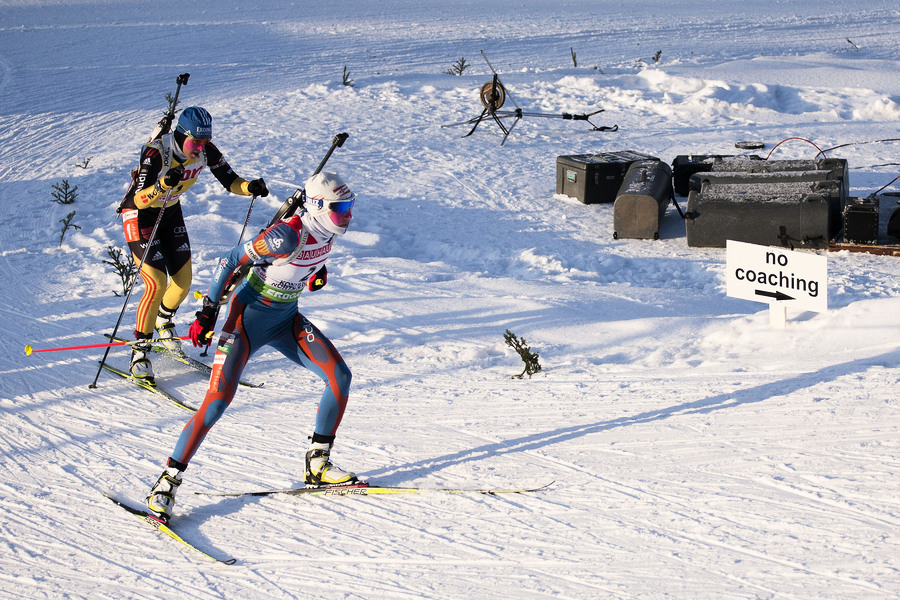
{"x":263,"y":311}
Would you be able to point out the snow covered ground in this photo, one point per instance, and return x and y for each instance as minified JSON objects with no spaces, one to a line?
{"x":695,"y":452}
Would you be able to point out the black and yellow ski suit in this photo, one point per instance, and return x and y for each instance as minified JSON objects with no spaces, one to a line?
{"x":166,"y":271}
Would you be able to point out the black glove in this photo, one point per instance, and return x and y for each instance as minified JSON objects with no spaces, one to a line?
{"x":257,"y":187}
{"x":202,"y":328}
{"x":173,"y":176}
{"x":318,"y":279}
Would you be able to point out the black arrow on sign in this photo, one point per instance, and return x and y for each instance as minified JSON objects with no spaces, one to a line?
{"x":776,"y":295}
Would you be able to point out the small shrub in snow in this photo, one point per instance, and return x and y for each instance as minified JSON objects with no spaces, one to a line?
{"x":67,"y":224}
{"x":530,"y":358}
{"x":125,"y":269}
{"x":459,"y":67}
{"x":63,"y":194}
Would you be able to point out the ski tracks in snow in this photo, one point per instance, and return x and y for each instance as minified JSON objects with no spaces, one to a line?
{"x":690,"y":505}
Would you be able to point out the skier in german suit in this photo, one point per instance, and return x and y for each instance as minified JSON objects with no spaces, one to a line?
{"x":169,"y":166}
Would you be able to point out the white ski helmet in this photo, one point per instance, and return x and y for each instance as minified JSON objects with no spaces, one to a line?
{"x":327,"y":193}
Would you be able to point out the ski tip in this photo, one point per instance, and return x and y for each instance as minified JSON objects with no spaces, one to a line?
{"x":133,"y":510}
{"x":524,"y":490}
{"x":28,"y":350}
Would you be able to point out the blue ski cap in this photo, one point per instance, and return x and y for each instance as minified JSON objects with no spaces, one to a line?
{"x":195,"y":122}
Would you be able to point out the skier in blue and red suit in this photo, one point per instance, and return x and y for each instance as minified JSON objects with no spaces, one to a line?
{"x":286,"y":258}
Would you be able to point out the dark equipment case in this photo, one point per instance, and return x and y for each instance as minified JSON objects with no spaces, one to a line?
{"x":831,"y":190}
{"x":861,"y":220}
{"x":594,"y":178}
{"x":642,"y":200}
{"x":773,"y":201}
{"x":790,"y":218}
{"x":686,"y":165}
{"x":698,"y":180}
{"x":893,"y":226}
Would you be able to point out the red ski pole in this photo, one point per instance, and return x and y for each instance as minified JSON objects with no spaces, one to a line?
{"x":29,"y":350}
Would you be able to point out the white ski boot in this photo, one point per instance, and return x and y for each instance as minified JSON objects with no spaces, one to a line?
{"x":141,"y":368}
{"x":321,"y":471}
{"x":161,"y":500}
{"x":165,"y":329}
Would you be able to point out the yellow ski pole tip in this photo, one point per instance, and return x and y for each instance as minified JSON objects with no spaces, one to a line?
{"x":198,"y":294}
{"x":28,"y":350}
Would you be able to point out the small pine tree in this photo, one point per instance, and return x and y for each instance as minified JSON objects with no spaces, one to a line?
{"x":63,"y":194}
{"x":530,"y":358}
{"x":346,"y":79}
{"x":67,"y":224}
{"x":459,"y":67}
{"x":125,"y":269}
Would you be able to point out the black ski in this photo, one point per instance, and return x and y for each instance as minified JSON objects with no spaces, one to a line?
{"x":164,"y":527}
{"x":150,"y":387}
{"x":368,"y":489}
{"x":183,"y":358}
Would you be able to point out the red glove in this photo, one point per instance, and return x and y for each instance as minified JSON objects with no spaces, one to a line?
{"x":318,"y":280}
{"x":202,"y":328}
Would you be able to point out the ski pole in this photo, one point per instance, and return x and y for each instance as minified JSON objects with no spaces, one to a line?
{"x":247,"y":219}
{"x":29,"y":350}
{"x":337,"y":142}
{"x":165,"y":123}
{"x":291,"y":204}
{"x":240,"y":239}
{"x":131,"y":287}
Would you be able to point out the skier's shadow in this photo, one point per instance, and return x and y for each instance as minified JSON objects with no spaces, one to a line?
{"x":718,"y":402}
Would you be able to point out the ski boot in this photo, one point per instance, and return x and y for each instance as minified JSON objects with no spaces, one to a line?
{"x":321,"y":471}
{"x":165,"y":329}
{"x":161,"y":501}
{"x":140,"y":361}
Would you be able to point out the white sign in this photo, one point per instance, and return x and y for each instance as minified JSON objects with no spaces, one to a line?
{"x":777,"y":276}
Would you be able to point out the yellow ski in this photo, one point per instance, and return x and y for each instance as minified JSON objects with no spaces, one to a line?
{"x":164,"y":527}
